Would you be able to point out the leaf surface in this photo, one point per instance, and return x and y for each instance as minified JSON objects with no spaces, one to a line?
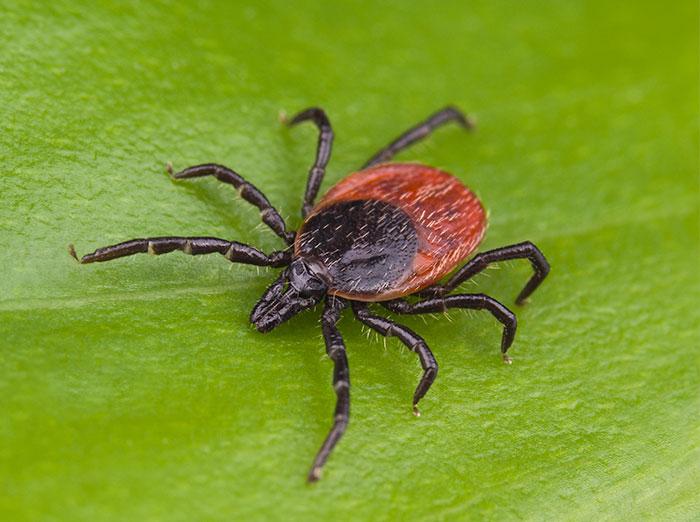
{"x":136,"y":390}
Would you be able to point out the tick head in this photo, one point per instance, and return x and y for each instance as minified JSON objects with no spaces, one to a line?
{"x":299,"y":287}
{"x":305,"y":278}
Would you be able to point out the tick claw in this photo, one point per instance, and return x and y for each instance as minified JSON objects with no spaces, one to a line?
{"x":71,"y":251}
{"x":284,"y":119}
{"x":169,"y":167}
{"x":507,"y":359}
{"x":314,"y":475}
{"x":416,"y":411}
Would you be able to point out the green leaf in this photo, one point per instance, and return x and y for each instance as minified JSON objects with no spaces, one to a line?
{"x":136,"y":389}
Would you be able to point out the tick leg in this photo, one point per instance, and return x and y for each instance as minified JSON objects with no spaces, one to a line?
{"x":412,"y":340}
{"x":335,"y":347}
{"x":323,"y":153}
{"x":471,"y":301}
{"x":419,"y":132}
{"x":247,"y":190}
{"x":479,"y":262}
{"x":231,"y":250}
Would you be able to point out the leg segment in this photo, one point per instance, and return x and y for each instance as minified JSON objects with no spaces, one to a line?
{"x":323,"y":153}
{"x":231,"y":250}
{"x":472,"y":301}
{"x":249,"y":192}
{"x":479,"y":262}
{"x":419,"y":132}
{"x":413,"y":341}
{"x":335,"y":347}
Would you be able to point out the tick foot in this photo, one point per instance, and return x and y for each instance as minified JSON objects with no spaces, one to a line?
{"x":416,"y":411}
{"x":506,"y":359}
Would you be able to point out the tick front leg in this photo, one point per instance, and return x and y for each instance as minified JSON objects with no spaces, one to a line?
{"x":412,"y":340}
{"x":479,"y":262}
{"x":248,"y":192}
{"x":419,"y":132}
{"x":470,"y":301}
{"x":231,"y":250}
{"x":335,"y":348}
{"x":323,"y":153}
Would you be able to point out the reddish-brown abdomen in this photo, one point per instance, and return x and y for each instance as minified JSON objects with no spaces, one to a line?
{"x":448,"y":219}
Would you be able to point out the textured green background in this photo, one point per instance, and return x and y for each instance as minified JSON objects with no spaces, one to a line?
{"x":136,"y":390}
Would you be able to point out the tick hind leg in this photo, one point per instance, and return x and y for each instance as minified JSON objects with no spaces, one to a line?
{"x":419,"y":132}
{"x":412,"y":340}
{"x":469,"y":301}
{"x":231,"y":250}
{"x":323,"y":153}
{"x":335,"y":348}
{"x":248,"y":192}
{"x":478,"y":263}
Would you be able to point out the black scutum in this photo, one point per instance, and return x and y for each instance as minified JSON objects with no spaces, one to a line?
{"x":366,"y":246}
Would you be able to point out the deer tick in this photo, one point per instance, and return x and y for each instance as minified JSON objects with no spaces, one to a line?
{"x":385,"y":233}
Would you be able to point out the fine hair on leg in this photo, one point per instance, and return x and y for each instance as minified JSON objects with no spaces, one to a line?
{"x":524,"y":250}
{"x":335,"y":348}
{"x":323,"y":153}
{"x":247,"y":191}
{"x":420,"y":131}
{"x":413,"y":342}
{"x":470,"y":301}
{"x":231,"y":250}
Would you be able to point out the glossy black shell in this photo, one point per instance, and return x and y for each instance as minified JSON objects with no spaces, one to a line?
{"x":361,"y":246}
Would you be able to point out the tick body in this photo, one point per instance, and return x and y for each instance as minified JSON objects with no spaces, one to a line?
{"x":383,"y":236}
{"x":391,"y":230}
